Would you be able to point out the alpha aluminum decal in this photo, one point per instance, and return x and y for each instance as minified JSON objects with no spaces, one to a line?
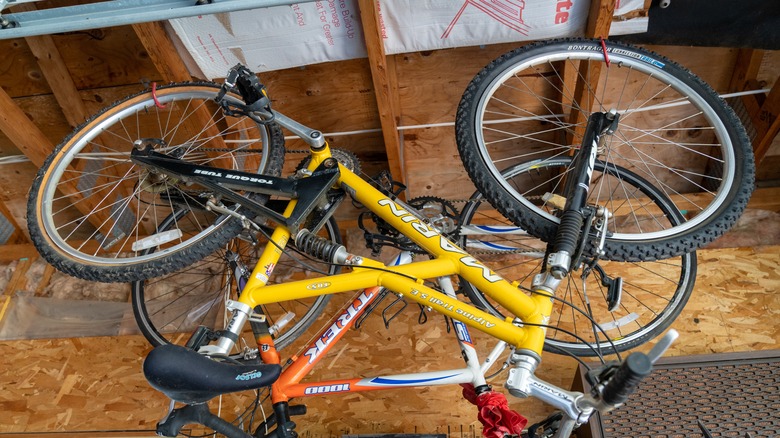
{"x":463,"y":313}
{"x":319,"y":285}
{"x":462,"y":332}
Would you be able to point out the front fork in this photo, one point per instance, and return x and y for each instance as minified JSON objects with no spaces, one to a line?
{"x":522,"y":382}
{"x":576,"y":190}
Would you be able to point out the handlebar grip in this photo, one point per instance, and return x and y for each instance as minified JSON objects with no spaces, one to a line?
{"x":623,"y":383}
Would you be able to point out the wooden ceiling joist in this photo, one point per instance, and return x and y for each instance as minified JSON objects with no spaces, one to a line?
{"x":600,"y":18}
{"x":385,"y":83}
{"x":764,"y":111}
{"x":18,"y":235}
{"x":25,"y":134}
{"x":162,"y":51}
{"x":767,"y":124}
{"x":746,"y":68}
{"x":56,"y":73}
{"x":587,"y":77}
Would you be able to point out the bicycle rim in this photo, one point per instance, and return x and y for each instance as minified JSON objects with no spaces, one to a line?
{"x":96,"y":213}
{"x":654,"y":292}
{"x":673,"y":131}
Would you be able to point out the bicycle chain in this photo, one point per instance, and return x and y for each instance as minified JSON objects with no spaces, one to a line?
{"x":252,"y":151}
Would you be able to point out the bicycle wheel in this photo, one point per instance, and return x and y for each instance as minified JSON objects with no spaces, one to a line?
{"x":654,"y":292}
{"x":169,"y":308}
{"x":673,"y":131}
{"x":93,"y":213}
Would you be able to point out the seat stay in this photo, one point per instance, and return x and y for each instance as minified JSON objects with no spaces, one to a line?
{"x":308,"y":192}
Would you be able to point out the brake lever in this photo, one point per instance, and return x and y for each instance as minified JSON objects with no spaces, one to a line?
{"x":662,"y":345}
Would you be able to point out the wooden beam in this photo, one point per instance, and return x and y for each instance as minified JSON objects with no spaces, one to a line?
{"x":44,"y":280}
{"x":385,"y":81}
{"x":25,"y":135}
{"x":767,"y":124}
{"x":60,"y":81}
{"x":746,"y":68}
{"x":18,"y":235}
{"x":18,"y":280}
{"x":764,"y":111}
{"x":162,"y":51}
{"x":600,"y":18}
{"x":57,"y":75}
{"x":587,"y":78}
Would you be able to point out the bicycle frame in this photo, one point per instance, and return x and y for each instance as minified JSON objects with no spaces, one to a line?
{"x":524,"y":333}
{"x":289,"y":383}
{"x":448,"y":259}
{"x":527,"y":338}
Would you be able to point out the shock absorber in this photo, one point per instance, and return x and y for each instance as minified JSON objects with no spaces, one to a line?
{"x":576,"y":190}
{"x":325,"y":249}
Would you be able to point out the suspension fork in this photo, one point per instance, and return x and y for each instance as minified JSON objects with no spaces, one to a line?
{"x":576,"y":193}
{"x":559,"y":261}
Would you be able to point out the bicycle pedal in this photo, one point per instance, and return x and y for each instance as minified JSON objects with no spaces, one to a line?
{"x":200,"y":337}
{"x":614,"y":291}
{"x":545,"y":428}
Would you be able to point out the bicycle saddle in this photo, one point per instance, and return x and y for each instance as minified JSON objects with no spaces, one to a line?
{"x":188,"y":377}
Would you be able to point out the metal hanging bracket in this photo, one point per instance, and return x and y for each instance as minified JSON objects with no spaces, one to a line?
{"x":114,"y":13}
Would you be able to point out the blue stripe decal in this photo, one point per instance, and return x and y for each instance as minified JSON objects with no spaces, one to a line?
{"x":497,"y":246}
{"x":504,"y":229}
{"x":383,"y":381}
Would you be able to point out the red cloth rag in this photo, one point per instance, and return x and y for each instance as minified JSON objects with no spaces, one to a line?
{"x":494,"y":413}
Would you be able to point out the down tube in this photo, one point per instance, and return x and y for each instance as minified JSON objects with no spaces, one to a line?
{"x":289,"y":383}
{"x":530,"y":310}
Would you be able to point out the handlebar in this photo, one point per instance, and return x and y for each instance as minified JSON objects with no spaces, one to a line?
{"x":613,"y":392}
{"x":624,"y":382}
